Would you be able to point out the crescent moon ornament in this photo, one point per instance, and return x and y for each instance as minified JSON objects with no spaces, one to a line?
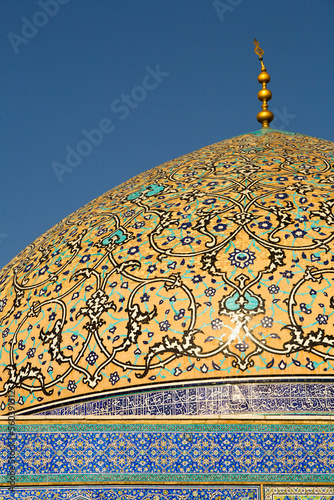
{"x":258,"y":51}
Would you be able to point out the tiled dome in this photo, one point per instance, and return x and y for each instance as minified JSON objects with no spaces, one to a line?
{"x":212,"y":268}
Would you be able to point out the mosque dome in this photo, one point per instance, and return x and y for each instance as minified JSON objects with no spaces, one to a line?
{"x":211,"y":269}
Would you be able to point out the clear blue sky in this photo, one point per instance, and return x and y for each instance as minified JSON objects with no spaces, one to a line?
{"x":62,"y":77}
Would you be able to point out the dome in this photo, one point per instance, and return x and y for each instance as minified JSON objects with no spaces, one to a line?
{"x":211,"y":270}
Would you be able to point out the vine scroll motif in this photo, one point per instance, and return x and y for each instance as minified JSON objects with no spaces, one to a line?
{"x":216,"y":265}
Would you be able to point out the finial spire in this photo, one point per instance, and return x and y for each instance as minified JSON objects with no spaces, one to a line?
{"x":265,"y":116}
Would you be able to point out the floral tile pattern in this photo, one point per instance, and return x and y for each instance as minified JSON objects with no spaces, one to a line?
{"x":134,"y":493}
{"x":165,"y":453}
{"x":215,"y":266}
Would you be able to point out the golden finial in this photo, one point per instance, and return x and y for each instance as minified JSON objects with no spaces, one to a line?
{"x":265,"y":116}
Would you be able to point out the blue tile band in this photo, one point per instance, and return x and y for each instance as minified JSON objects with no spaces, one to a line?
{"x":134,"y":492}
{"x":158,"y":453}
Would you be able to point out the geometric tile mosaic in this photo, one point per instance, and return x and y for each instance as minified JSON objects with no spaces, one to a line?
{"x":133,"y":493}
{"x":298,"y":492}
{"x":295,"y":398}
{"x":162,"y":453}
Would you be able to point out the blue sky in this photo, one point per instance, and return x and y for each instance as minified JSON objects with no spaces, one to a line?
{"x":189,"y":68}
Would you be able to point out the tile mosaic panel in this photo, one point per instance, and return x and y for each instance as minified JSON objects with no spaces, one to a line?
{"x":215,"y":265}
{"x":288,"y":398}
{"x":134,"y":493}
{"x":164,"y":453}
{"x":299,"y":492}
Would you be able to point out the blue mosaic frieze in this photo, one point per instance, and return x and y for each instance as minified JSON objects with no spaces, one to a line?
{"x":160,"y":453}
{"x":295,"y":398}
{"x":134,"y":493}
